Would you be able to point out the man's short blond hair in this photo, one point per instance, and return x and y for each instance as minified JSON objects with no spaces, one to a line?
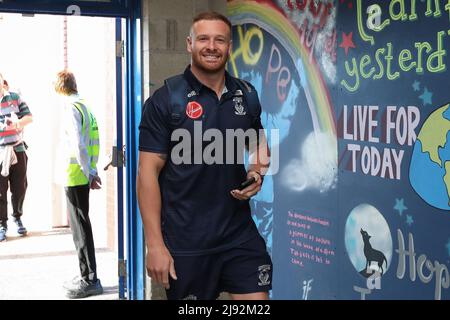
{"x":210,"y":16}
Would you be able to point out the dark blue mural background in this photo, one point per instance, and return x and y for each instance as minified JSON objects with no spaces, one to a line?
{"x":392,"y":209}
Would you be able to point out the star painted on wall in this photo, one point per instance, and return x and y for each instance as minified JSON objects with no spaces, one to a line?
{"x":426,"y":97}
{"x":416,"y":85}
{"x":347,"y":42}
{"x":400,"y":206}
{"x":409,"y":220}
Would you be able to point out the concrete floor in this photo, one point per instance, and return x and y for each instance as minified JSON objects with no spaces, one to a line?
{"x":35,"y":267}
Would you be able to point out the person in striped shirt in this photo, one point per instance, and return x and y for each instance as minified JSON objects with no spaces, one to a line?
{"x":14,"y":116}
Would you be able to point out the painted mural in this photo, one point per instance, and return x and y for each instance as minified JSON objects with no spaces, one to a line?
{"x":290,"y":58}
{"x":358,"y":91}
{"x":393,"y":125}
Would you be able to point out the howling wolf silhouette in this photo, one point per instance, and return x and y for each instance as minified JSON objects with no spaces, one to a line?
{"x":372,"y":254}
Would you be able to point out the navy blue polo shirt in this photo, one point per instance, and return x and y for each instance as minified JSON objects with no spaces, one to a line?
{"x":199,"y":215}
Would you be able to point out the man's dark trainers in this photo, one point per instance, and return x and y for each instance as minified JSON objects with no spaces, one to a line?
{"x":3,"y":230}
{"x":85,"y":289}
{"x":21,"y":230}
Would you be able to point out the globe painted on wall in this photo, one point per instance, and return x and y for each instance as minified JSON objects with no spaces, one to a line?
{"x":429,"y":172}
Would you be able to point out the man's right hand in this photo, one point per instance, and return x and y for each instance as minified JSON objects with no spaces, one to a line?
{"x":96,"y":183}
{"x":159,"y":265}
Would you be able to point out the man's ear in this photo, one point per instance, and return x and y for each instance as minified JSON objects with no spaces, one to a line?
{"x":189,"y":44}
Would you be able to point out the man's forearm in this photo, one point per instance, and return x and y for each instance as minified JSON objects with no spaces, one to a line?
{"x":149,"y":198}
{"x":22,"y":122}
{"x":260,"y":159}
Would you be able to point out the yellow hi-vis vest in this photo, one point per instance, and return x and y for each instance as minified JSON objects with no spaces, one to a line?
{"x":75,"y":176}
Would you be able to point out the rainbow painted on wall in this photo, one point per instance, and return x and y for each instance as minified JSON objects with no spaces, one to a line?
{"x":266,"y":15}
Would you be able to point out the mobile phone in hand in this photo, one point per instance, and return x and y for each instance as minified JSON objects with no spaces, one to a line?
{"x":246,"y":183}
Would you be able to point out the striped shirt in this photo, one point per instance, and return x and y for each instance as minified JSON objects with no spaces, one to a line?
{"x":11,"y":103}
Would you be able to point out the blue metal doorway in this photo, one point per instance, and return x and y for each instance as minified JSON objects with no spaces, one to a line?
{"x":130,"y":240}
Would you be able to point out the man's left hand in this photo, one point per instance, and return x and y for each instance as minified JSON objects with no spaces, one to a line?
{"x":251,"y":190}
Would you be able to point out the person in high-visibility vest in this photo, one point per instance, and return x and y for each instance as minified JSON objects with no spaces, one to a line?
{"x":80,"y":141}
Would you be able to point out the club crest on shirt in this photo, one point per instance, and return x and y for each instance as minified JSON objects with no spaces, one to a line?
{"x":238,"y":107}
{"x":264,"y":276}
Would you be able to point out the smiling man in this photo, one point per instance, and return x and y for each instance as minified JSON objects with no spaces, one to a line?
{"x":201,"y":239}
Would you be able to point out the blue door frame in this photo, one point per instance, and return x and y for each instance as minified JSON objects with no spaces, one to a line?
{"x":131,"y":11}
{"x":119,"y":144}
{"x":135,"y":235}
